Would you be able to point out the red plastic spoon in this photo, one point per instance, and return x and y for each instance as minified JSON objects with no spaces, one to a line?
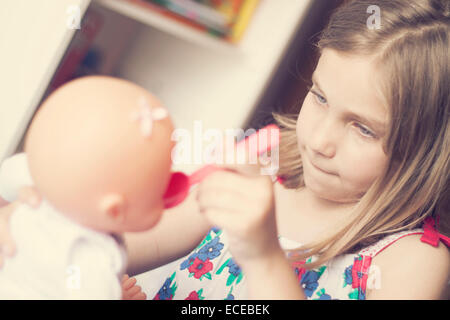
{"x":180,"y":183}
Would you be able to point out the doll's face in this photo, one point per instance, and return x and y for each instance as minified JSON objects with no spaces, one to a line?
{"x":99,"y":150}
{"x":340,"y":129}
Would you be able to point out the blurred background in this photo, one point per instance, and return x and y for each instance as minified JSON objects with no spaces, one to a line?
{"x":226,"y":63}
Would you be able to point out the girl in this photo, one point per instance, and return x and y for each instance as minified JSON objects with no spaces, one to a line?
{"x":363,"y":165}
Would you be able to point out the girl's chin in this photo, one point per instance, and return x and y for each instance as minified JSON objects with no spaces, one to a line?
{"x":325,"y":192}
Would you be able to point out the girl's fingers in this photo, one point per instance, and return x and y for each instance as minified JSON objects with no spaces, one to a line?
{"x":225,"y":187}
{"x":129,"y":289}
{"x":139,"y":296}
{"x":242,"y":162}
{"x":219,"y":198}
{"x":127,"y":284}
{"x":228,"y":155}
{"x":250,"y":156}
{"x":134,"y":290}
{"x":227,"y":181}
{"x":224,"y":219}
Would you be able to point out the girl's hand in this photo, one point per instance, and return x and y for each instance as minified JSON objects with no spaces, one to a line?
{"x":27,"y":195}
{"x":130,"y":291}
{"x":241,"y":202}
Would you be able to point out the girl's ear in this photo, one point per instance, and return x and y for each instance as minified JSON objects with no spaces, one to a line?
{"x":113,"y":206}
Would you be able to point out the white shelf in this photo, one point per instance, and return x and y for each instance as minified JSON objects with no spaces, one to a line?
{"x":198,"y":77}
{"x":171,"y":26}
{"x":219,"y":86}
{"x":35,"y":35}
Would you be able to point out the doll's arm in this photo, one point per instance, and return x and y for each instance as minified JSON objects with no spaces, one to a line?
{"x":180,"y":230}
{"x":14,"y":174}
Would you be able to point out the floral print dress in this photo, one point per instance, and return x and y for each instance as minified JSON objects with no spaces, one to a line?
{"x":210,"y":272}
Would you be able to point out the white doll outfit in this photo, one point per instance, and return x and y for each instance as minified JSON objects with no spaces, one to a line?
{"x":56,"y":258}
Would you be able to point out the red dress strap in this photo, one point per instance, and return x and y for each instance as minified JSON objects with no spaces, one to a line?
{"x":376,"y":248}
{"x":431,"y":235}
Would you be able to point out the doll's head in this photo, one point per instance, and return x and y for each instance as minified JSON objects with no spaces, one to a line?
{"x":99,"y":150}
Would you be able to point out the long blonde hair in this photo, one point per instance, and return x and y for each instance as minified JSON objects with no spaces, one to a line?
{"x":411,"y":50}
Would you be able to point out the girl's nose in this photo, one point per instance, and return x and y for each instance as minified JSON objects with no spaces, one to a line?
{"x":324,"y":138}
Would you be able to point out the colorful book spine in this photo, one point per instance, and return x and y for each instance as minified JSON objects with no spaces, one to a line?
{"x":164,"y":12}
{"x":227,"y":19}
{"x":198,"y":12}
{"x":243,"y":19}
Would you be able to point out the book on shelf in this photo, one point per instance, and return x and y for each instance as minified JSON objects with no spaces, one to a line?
{"x":96,"y":48}
{"x":226,"y":19}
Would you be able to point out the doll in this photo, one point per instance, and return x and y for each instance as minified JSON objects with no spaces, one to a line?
{"x":99,"y":152}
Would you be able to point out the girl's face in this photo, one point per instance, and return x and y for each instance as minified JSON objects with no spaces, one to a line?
{"x":340,"y":129}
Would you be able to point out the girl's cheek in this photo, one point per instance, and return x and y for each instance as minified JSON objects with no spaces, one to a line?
{"x":364,"y":167}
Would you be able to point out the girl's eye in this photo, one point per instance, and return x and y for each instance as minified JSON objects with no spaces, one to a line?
{"x":365,"y":132}
{"x":320,"y":100}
